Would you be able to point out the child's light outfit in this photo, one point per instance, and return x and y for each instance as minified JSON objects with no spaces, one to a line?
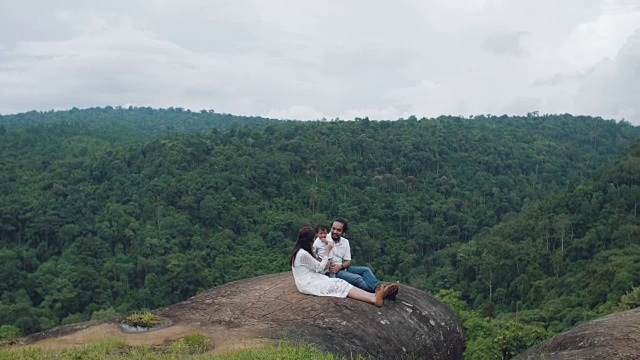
{"x":321,"y":251}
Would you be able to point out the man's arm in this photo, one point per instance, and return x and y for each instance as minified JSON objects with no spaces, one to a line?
{"x":337,"y":267}
{"x":347,"y":257}
{"x":345,"y":263}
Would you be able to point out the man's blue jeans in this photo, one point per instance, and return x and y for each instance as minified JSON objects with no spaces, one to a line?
{"x":359,"y":276}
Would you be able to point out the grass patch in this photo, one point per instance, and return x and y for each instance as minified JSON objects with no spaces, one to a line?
{"x":192,"y":346}
{"x":104,"y":349}
{"x":283,"y":351}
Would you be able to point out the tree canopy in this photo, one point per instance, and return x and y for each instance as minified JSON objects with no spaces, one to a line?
{"x":529,"y":221}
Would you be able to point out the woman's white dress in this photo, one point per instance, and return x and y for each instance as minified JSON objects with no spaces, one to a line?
{"x":309,"y":280}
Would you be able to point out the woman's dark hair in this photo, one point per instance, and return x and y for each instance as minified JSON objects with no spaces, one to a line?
{"x":321,"y":227}
{"x":304,"y":241}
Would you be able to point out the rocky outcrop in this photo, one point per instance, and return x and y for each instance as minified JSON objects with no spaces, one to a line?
{"x":414,"y":325}
{"x":612,"y":337}
{"x":269,"y":309}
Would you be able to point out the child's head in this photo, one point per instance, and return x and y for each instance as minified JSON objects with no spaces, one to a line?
{"x":321,"y":230}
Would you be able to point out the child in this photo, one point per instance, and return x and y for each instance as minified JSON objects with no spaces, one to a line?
{"x":320,"y":245}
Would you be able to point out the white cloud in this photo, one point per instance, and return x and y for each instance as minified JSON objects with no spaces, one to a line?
{"x":296,"y":113}
{"x":109,"y":61}
{"x":317,"y":59}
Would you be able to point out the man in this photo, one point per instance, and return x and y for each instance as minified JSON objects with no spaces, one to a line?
{"x":358,"y":276}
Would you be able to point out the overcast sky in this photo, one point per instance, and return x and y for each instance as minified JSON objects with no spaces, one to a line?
{"x":330,"y":58}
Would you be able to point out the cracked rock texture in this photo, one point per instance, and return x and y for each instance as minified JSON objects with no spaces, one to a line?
{"x":414,"y":326}
{"x":612,"y":337}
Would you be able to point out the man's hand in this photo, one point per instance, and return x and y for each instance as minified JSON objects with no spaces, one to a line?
{"x":335,"y":268}
{"x":325,"y":239}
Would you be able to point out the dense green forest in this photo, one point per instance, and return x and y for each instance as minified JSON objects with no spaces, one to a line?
{"x":140,"y":121}
{"x":525,"y":226}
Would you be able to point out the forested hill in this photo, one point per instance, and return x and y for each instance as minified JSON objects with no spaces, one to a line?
{"x":143,"y":120}
{"x":571,"y":257}
{"x":98,"y":220}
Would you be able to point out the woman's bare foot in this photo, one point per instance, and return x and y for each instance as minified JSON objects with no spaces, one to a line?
{"x":380,"y":295}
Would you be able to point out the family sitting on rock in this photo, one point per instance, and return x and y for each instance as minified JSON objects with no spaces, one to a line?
{"x":323,"y":267}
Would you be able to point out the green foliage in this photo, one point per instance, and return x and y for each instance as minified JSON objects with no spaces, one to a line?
{"x":72,"y":319}
{"x":8,"y":333}
{"x":451,"y":298}
{"x":514,"y":337}
{"x":493,"y":338}
{"x":144,"y":319}
{"x":191,"y":344}
{"x":104,"y":314}
{"x":630,"y":300}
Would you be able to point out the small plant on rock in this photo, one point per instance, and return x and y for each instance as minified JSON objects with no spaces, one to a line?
{"x":144,"y":319}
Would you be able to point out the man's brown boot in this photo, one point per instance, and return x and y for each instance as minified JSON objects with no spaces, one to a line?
{"x":391,"y":290}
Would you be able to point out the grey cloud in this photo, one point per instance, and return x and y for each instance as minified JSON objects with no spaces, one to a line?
{"x":612,"y":88}
{"x":555,"y":79}
{"x":507,"y":44}
{"x":523,"y":105}
{"x":330,"y":58}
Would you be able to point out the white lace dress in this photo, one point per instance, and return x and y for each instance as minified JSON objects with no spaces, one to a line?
{"x":309,"y":280}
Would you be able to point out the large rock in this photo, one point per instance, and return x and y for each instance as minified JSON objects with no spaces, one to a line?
{"x":612,"y":337}
{"x":414,"y":325}
{"x":269,"y":308}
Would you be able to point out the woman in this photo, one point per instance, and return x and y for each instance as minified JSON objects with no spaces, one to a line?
{"x":309,"y":280}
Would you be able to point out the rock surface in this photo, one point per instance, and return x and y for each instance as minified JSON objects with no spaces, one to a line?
{"x":269,"y":308}
{"x":613,"y":337}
